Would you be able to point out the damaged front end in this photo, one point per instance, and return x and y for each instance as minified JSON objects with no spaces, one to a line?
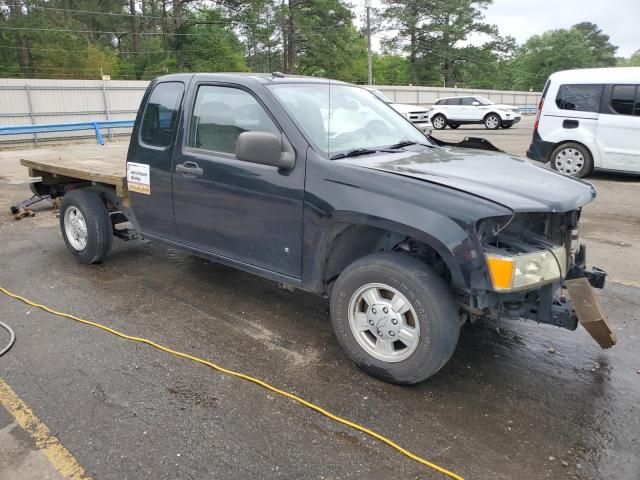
{"x":537,"y":269}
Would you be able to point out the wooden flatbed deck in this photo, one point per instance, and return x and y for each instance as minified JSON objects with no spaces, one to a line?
{"x":95,"y":163}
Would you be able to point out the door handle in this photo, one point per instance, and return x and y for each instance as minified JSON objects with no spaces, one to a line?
{"x":189,"y":169}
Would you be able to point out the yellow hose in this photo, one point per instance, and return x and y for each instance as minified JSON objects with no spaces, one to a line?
{"x":243,"y":376}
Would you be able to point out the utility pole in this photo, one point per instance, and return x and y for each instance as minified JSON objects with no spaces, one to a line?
{"x":367,"y":4}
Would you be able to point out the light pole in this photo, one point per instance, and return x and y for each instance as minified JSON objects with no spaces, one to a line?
{"x":367,"y":4}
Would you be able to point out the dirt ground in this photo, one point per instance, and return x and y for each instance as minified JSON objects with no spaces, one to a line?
{"x":531,"y":402}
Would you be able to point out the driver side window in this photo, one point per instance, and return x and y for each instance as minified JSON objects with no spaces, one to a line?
{"x":221,"y":114}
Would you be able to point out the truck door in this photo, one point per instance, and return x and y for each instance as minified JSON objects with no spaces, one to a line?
{"x":149,"y":160}
{"x":247,"y":212}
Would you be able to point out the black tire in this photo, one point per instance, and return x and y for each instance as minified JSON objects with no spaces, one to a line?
{"x":587,"y":166}
{"x":492,"y":121}
{"x":454,"y":125}
{"x":99,"y":231}
{"x":439,"y":121}
{"x":432,"y":300}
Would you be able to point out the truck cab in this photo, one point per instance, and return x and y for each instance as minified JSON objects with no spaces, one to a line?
{"x":318,"y":185}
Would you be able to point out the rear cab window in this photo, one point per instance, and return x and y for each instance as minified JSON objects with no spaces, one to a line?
{"x":580,"y":98}
{"x":161,"y":114}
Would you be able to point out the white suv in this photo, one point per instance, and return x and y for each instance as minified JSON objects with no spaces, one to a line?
{"x":456,"y":111}
{"x":419,"y":116}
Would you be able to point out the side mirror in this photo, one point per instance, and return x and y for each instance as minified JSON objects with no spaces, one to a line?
{"x":476,"y":104}
{"x":264,"y":148}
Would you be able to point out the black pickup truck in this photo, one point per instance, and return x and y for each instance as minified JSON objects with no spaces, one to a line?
{"x":319,"y":185}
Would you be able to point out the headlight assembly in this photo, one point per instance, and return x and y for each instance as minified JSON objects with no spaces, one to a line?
{"x":526,"y":270}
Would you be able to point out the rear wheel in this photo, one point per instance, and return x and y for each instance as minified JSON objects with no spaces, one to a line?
{"x":439,"y":122}
{"x":395,"y":317}
{"x":86,"y":226}
{"x":572,"y":159}
{"x":492,"y":121}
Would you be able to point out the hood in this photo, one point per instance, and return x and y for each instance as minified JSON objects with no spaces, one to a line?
{"x":510,"y":181}
{"x":404,"y":108}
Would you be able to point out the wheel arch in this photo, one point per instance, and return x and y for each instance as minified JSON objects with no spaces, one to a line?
{"x":492,"y":112}
{"x":349,"y":239}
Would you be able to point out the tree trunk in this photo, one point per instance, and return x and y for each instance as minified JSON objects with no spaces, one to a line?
{"x":413,"y":47}
{"x":22,"y":45}
{"x":284,"y":37}
{"x":177,"y":23}
{"x":291,"y":44}
{"x":165,"y":27}
{"x":135,"y":38}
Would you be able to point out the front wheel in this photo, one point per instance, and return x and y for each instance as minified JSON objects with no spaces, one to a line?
{"x":492,"y":122}
{"x":86,"y":226}
{"x":439,"y":122}
{"x":395,"y":317}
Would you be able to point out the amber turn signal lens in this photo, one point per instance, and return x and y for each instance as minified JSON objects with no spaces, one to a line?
{"x":501,"y":271}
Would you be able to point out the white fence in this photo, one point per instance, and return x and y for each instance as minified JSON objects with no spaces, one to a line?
{"x":427,"y":96}
{"x":24,"y":102}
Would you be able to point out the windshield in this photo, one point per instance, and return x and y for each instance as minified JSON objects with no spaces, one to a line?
{"x":484,"y":100}
{"x":341,"y":118}
{"x":380,"y":95}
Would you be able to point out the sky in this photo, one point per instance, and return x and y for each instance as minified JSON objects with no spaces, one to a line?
{"x":620,"y":19}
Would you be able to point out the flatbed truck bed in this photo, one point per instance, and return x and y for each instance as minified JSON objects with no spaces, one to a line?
{"x":105,"y":164}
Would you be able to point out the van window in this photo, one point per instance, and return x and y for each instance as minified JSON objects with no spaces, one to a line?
{"x":453,"y":101}
{"x":581,"y":98}
{"x":161,"y":114}
{"x":624,"y":98}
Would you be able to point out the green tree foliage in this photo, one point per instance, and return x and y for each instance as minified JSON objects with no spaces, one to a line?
{"x":550,"y":52}
{"x":633,"y":61}
{"x":425,"y":42}
{"x":434,"y":35}
{"x":603,"y":52}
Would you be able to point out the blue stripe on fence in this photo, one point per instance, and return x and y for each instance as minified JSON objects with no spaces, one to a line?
{"x":66,"y":127}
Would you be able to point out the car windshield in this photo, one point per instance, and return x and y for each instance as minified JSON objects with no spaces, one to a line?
{"x":380,"y":95}
{"x":338,"y":119}
{"x":483,"y":100}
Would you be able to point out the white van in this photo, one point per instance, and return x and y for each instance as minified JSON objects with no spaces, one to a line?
{"x":589,"y":119}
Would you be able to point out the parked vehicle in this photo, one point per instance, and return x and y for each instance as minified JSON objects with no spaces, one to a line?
{"x":589,"y":119}
{"x":322,"y":187}
{"x":417,"y":115}
{"x":456,"y":111}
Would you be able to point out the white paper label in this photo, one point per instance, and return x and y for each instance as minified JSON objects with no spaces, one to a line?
{"x":138,"y":178}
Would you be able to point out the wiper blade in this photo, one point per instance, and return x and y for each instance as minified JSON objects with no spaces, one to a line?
{"x":353,"y":153}
{"x":406,"y":143}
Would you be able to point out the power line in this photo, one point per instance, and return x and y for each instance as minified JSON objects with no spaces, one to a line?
{"x":225,"y":22}
{"x":299,"y":31}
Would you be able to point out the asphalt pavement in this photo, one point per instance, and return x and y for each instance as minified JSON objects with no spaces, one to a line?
{"x":532,"y":401}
